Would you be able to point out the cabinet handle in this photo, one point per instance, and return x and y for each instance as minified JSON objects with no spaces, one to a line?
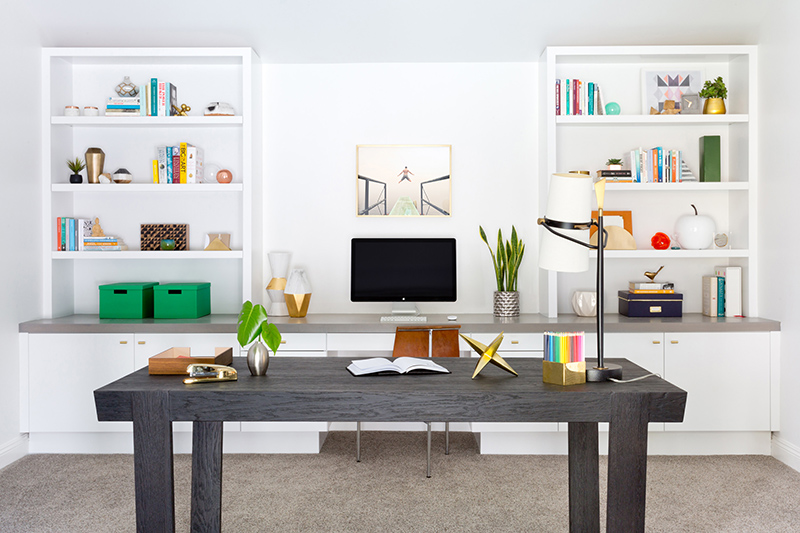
{"x":656,"y":342}
{"x":142,"y":342}
{"x":673,"y":342}
{"x":123,"y":342}
{"x":283,"y":342}
{"x":514,"y":342}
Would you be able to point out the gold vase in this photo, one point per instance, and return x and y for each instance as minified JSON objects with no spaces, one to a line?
{"x":714,"y":106}
{"x":95,"y":157}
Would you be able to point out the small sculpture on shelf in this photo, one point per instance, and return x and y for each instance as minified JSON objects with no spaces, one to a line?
{"x":652,"y":275}
{"x":127,"y":88}
{"x":181,"y":111}
{"x":97,"y":231}
{"x":219,"y":109}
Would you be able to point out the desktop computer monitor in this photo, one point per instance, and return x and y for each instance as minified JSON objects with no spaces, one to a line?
{"x":403,"y":271}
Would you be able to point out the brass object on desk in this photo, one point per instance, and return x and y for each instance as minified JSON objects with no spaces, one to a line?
{"x":205,"y":373}
{"x":564,"y":373}
{"x":488,"y":354}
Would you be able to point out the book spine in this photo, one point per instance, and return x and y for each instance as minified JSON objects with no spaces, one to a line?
{"x":105,"y":248}
{"x":710,"y":295}
{"x":173,"y":98}
{"x":71,"y":235}
{"x":194,"y":164}
{"x":161,"y":156}
{"x":153,"y":97}
{"x":590,"y":97}
{"x":720,"y":296}
{"x":143,"y":100}
{"x":680,"y":166}
{"x":84,"y":231}
{"x":733,"y":289}
{"x":63,"y":234}
{"x":568,"y":96}
{"x":183,"y":162}
{"x":169,"y":163}
{"x":558,"y":96}
{"x":167,"y":100}
{"x":601,"y":110}
{"x":162,"y":99}
{"x":176,"y":165}
{"x":58,"y":234}
{"x":155,"y":170}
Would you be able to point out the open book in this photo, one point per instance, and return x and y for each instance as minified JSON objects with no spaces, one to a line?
{"x":401,"y":365}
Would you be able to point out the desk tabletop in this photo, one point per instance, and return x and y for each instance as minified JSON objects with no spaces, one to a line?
{"x":320,"y":388}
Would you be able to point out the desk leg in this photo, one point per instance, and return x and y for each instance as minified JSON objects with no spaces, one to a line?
{"x":627,"y":463}
{"x":152,"y":462}
{"x":584,"y":477}
{"x":206,"y":477}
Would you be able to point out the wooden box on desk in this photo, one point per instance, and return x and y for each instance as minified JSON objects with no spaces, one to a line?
{"x":175,"y":360}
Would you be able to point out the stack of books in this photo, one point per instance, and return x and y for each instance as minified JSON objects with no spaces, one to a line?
{"x":75,"y":235}
{"x":656,"y":165}
{"x":616,"y":176}
{"x":651,"y":287}
{"x":178,"y":164}
{"x":722,"y":292}
{"x":123,"y":106}
{"x":159,"y":99}
{"x":576,"y":97}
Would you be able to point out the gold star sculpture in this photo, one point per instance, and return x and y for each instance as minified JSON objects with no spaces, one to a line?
{"x":488,"y":354}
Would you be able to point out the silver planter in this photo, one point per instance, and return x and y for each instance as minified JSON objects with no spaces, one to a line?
{"x":506,"y":303}
{"x":258,"y":359}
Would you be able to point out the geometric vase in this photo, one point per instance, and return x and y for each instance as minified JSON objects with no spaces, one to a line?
{"x":297,"y":293}
{"x":506,"y":304}
{"x":279,"y":265}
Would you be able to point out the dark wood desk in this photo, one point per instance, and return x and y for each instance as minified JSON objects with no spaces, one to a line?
{"x":311,"y":389}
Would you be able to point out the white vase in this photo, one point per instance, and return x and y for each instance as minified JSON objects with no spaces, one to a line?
{"x":279,"y":265}
{"x":584,"y":303}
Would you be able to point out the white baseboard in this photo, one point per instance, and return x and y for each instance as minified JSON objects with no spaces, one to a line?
{"x":13,"y":450}
{"x":786,"y":452}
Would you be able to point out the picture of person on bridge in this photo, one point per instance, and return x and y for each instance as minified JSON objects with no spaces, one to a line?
{"x":405,"y":172}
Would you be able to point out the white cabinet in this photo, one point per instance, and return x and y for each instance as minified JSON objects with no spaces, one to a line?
{"x":87,"y":77}
{"x":64,"y":371}
{"x":586,"y":142}
{"x":727,"y":376}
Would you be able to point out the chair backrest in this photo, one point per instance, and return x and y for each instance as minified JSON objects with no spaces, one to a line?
{"x":426,"y":341}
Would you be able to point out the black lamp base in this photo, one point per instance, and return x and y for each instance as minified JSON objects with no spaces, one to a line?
{"x":603,"y":374}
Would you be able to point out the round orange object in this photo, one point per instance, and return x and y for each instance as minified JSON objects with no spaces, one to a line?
{"x":224,"y":176}
{"x":660,"y":241}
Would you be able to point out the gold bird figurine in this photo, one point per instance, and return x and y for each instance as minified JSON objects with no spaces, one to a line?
{"x":652,"y":275}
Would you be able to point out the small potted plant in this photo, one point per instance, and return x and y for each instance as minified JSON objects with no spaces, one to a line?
{"x":715,"y":93}
{"x":614,"y":164}
{"x":254,"y":326}
{"x":506,"y":269}
{"x":76,"y":166}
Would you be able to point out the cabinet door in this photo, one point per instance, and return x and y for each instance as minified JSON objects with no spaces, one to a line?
{"x":727,"y":376}
{"x":64,"y":372}
{"x":643,"y":349}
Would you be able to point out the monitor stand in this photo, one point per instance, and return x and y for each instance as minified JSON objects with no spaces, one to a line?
{"x":404,"y":308}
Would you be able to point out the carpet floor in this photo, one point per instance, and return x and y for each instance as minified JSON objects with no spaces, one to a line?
{"x":388,"y":491}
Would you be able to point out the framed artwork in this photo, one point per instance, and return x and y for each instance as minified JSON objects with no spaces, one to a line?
{"x":660,"y":85}
{"x":152,"y":234}
{"x":403,"y":180}
{"x":619,"y":225}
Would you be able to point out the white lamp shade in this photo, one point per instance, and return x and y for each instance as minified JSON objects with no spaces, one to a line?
{"x":297,"y":283}
{"x":569,"y":200}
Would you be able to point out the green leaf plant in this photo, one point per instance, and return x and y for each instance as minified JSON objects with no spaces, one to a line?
{"x":507,"y":259}
{"x":253,"y":324}
{"x":76,"y":166}
{"x":714,"y":89}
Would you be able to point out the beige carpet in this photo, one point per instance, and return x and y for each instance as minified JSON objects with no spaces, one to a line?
{"x":388,"y":491}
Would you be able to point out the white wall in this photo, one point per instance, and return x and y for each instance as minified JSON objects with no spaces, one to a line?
{"x":315,"y":115}
{"x":20,"y":272}
{"x":779,"y":196}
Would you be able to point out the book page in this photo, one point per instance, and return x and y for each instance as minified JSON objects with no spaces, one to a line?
{"x":409,"y":364}
{"x":375,"y":364}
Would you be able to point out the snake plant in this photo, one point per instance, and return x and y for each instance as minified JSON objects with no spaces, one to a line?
{"x":507,"y":259}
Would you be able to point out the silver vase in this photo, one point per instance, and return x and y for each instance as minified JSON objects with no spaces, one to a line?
{"x":506,"y":303}
{"x":258,"y":359}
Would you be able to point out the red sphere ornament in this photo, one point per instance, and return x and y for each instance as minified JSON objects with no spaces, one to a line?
{"x":660,"y":241}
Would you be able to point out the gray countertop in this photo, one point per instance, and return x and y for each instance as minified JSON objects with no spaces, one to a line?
{"x":370,"y":323}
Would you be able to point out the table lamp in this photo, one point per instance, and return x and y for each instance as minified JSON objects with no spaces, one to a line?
{"x":565,"y":247}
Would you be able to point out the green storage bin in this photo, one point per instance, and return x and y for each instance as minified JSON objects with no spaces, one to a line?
{"x":182,"y":300}
{"x":127,"y":300}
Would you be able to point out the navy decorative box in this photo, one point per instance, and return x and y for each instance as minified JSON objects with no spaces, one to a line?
{"x":650,"y":305}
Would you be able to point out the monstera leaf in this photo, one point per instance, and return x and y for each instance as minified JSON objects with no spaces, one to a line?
{"x":251,"y":319}
{"x":271,"y":336}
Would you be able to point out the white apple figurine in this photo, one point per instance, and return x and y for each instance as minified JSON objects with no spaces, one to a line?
{"x":695,"y":232}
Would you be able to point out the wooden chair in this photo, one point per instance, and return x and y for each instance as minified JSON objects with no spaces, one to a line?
{"x":422,"y":341}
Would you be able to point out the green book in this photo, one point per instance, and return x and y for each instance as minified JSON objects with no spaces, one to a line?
{"x":709,"y":158}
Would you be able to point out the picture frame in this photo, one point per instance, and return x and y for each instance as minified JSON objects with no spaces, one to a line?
{"x":403,"y":180}
{"x":608,"y":220}
{"x":662,"y":84}
{"x":619,"y":225}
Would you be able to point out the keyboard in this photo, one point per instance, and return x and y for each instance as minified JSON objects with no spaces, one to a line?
{"x":404,"y":318}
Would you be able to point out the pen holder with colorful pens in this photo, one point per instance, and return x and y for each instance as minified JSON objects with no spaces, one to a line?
{"x":563,"y":358}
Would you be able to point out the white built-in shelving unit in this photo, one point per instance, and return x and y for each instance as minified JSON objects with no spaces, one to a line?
{"x":87,"y":77}
{"x":586,"y":142}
